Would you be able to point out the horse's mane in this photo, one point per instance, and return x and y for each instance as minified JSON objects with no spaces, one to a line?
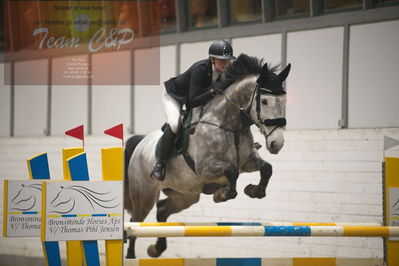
{"x":243,"y":66}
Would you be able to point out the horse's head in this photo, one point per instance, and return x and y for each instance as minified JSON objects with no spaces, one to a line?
{"x":27,"y":192}
{"x":268,"y":107}
{"x":26,"y":197}
{"x":249,"y":85}
{"x":61,"y":198}
{"x":22,"y":195}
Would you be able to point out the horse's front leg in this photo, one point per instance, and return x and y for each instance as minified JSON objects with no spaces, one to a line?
{"x":216,"y":168}
{"x":132,"y":241}
{"x":255,"y":163}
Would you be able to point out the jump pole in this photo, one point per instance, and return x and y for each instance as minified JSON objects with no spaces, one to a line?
{"x":263,"y":231}
{"x":136,"y":224}
{"x":320,"y":261}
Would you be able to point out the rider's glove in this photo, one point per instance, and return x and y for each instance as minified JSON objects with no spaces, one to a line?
{"x":214,"y":91}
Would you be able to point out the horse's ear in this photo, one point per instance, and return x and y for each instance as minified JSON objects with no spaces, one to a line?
{"x":284,"y":74}
{"x":264,"y":75}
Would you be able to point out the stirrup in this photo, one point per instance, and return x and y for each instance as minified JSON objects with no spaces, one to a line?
{"x":159,"y":171}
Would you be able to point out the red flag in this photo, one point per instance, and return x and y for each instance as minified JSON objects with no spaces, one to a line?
{"x":77,"y":132}
{"x":116,"y":131}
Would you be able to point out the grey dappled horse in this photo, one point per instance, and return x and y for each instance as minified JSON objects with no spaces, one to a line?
{"x":221,"y":147}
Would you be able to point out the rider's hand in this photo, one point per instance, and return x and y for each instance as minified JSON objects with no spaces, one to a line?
{"x":214,"y":91}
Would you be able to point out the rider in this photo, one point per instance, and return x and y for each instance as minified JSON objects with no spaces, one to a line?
{"x":192,"y":88}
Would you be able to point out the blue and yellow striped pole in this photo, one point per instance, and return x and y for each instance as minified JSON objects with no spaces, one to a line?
{"x":255,"y":262}
{"x":263,"y":231}
{"x":127,"y":225}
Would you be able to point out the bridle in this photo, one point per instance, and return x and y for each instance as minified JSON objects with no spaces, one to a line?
{"x":246,"y":116}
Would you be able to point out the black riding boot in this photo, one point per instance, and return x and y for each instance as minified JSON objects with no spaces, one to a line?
{"x":162,"y":152}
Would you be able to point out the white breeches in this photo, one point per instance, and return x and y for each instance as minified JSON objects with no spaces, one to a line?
{"x":172,"y":110}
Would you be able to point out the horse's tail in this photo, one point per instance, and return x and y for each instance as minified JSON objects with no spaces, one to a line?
{"x":131,"y":144}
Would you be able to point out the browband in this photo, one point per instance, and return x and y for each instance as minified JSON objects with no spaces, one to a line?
{"x":278,"y":91}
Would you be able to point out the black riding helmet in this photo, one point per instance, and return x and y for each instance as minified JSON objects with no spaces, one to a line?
{"x":221,"y":49}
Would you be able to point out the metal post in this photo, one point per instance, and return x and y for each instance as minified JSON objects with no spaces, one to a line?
{"x":343,"y":122}
{"x":181,"y":15}
{"x":367,"y":4}
{"x":316,"y":7}
{"x":267,"y":10}
{"x":12,"y":98}
{"x":49,"y":97}
{"x":90,"y":96}
{"x":178,"y":56}
{"x":223,"y":13}
{"x":132,"y":128}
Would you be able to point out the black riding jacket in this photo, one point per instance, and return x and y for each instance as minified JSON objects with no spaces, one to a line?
{"x":192,"y":87}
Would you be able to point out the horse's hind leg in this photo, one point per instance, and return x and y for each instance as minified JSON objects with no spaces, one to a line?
{"x":174,"y":203}
{"x":142,"y":202}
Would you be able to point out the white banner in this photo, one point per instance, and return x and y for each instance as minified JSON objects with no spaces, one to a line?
{"x":83,"y":210}
{"x":22,"y":210}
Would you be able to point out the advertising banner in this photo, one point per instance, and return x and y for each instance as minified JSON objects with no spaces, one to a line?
{"x":82,"y":210}
{"x":22,"y":208}
{"x":81,"y":42}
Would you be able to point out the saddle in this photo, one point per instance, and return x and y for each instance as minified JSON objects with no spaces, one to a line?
{"x":181,"y":140}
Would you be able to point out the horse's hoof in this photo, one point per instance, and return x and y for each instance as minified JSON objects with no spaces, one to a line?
{"x":253,"y":191}
{"x":224,"y":195}
{"x":153,"y":251}
{"x":217,"y":198}
{"x":232,"y":194}
{"x":130,"y":255}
